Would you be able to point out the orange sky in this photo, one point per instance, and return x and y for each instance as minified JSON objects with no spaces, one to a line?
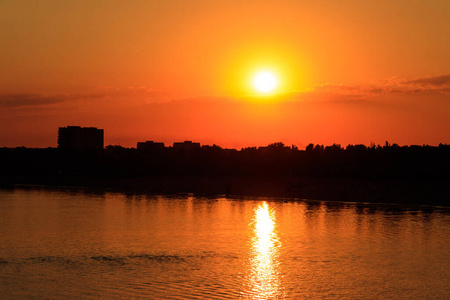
{"x":349,"y":71}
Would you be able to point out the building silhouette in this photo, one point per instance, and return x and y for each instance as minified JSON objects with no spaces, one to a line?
{"x":80,"y":138}
{"x":186,"y":145}
{"x":150,"y":146}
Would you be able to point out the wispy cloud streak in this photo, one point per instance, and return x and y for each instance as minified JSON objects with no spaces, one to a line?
{"x":431,"y":84}
{"x":27,"y":99}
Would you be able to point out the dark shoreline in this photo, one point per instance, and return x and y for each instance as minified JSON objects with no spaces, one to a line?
{"x":404,"y":192}
{"x":411,"y":175}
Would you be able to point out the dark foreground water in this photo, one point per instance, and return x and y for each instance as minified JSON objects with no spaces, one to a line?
{"x":66,"y":244}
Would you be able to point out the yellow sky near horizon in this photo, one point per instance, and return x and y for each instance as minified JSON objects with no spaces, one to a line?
{"x":113,"y":64}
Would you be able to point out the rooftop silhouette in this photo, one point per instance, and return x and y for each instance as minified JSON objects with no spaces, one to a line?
{"x":80,"y":138}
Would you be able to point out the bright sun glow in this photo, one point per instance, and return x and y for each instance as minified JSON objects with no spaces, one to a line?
{"x":265,"y":82}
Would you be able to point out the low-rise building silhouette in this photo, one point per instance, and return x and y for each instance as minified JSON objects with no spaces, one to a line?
{"x":80,"y":138}
{"x":150,"y":146}
{"x":186,"y":145}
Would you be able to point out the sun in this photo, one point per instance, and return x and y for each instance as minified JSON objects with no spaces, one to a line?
{"x":265,"y":82}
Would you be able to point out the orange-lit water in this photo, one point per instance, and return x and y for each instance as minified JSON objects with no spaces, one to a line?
{"x":62,"y":244}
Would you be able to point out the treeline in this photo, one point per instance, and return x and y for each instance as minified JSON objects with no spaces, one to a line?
{"x":389,"y":161}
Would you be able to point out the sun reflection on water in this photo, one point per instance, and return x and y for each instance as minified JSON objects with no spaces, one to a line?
{"x":264,"y":280}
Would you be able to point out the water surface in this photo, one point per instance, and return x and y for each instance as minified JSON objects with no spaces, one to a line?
{"x":76,"y":244}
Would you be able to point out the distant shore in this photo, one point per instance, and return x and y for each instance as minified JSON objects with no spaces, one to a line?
{"x":408,"y":192}
{"x":357,"y":173}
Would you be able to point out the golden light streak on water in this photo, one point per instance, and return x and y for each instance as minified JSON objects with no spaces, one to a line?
{"x":264,"y":279}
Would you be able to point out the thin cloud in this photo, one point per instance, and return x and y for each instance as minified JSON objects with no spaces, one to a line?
{"x":21,"y":100}
{"x":14,"y":100}
{"x":27,"y":99}
{"x":435,"y":80}
{"x":431,"y":84}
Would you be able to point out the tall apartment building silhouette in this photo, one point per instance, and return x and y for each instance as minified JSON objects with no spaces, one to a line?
{"x":80,"y":138}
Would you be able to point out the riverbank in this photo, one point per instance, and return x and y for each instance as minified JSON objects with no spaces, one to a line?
{"x":329,"y":189}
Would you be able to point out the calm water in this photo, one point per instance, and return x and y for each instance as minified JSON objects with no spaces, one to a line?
{"x":56,"y":244}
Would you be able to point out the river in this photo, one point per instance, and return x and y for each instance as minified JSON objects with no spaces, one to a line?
{"x":83,"y":244}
